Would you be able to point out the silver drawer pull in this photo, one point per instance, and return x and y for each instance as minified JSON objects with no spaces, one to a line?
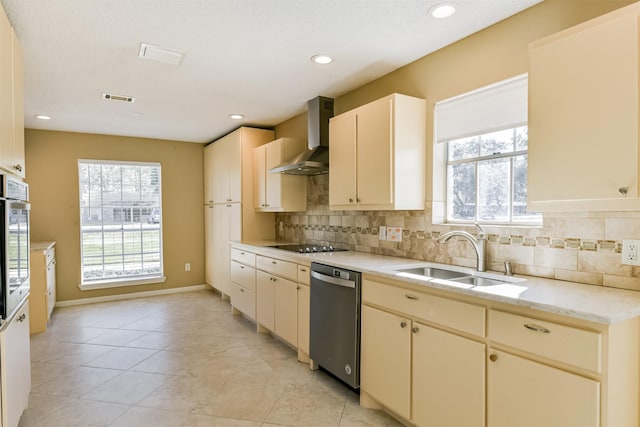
{"x":242,"y":267}
{"x":411,"y":297}
{"x":303,"y":270}
{"x":536,"y":328}
{"x":273,"y":262}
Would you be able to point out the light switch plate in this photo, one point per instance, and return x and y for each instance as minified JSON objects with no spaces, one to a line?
{"x":382,"y":233}
{"x":630,"y":249}
{"x":394,"y":234}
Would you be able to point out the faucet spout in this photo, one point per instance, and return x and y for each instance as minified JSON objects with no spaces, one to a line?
{"x":479,"y":243}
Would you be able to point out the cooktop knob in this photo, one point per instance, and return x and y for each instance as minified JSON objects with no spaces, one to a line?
{"x":330,"y":248}
{"x":324,"y":249}
{"x":314,"y":249}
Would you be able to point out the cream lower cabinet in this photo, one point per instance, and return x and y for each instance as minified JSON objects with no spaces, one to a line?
{"x":421,"y":373}
{"x":277,"y":297}
{"x":377,"y":156}
{"x":304,"y":306}
{"x":243,"y":283}
{"x":525,"y":393}
{"x":222,"y":225}
{"x":15,"y":369}
{"x":42,"y":298}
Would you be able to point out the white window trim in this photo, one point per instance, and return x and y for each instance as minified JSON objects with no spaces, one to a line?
{"x":126,"y":281}
{"x":104,"y":284}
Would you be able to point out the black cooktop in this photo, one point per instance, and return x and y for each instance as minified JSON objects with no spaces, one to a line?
{"x":307,"y":249}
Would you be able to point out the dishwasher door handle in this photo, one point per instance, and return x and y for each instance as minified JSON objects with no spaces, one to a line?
{"x":333,"y":280}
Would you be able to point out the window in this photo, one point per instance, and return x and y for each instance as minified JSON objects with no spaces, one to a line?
{"x":482,"y":139}
{"x":120,"y":222}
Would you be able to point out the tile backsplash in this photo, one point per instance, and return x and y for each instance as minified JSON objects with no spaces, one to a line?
{"x":580,"y":247}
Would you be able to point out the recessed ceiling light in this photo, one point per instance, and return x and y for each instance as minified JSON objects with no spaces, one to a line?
{"x":42,"y":117}
{"x":322,"y":59}
{"x":442,"y":10}
{"x":236,"y":116}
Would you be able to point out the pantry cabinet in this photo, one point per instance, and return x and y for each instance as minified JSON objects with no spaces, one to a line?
{"x":377,"y":156}
{"x":278,"y":192}
{"x":42,"y":297}
{"x":15,"y":369}
{"x":228,"y":191}
{"x":584,"y":116}
{"x":11,"y":100}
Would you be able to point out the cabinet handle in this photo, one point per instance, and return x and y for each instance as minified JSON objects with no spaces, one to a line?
{"x":242,"y":253}
{"x":350,"y":200}
{"x":403,"y":324}
{"x":303,"y":270}
{"x":273,"y":262}
{"x":411,"y":297}
{"x":537,"y":328}
{"x":493,"y":357}
{"x":415,"y":329}
{"x":297,"y":287}
{"x":210,"y":206}
{"x":623,"y":190}
{"x":242,"y":267}
{"x":241,"y":290}
{"x":357,"y":200}
{"x":18,"y":168}
{"x":210,"y":201}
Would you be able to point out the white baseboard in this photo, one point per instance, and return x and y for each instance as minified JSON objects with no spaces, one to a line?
{"x":132,"y":295}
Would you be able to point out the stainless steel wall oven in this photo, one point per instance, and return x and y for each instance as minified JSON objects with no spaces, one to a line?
{"x":14,"y":244}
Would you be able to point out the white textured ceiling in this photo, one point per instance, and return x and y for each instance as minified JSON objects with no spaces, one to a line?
{"x":241,"y":56}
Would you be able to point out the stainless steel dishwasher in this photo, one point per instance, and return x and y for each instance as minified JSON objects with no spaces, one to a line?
{"x":334,"y":342}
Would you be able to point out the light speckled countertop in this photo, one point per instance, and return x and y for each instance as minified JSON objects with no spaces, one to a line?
{"x":594,"y":303}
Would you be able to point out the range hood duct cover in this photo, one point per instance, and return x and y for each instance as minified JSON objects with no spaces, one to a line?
{"x":315,"y":160}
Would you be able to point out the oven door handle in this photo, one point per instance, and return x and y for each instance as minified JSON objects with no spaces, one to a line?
{"x":333,"y":280}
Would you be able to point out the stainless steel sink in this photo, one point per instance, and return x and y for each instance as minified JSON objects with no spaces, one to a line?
{"x":435,"y":273}
{"x":479,"y":281}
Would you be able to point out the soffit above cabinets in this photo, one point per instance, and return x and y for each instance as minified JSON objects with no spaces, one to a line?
{"x":244,"y":56}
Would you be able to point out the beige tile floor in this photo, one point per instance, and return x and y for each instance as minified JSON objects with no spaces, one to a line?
{"x":177,"y":360}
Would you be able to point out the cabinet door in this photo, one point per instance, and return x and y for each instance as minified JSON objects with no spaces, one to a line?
{"x":259,"y":177}
{"x":342,"y":158}
{"x":227,"y":227}
{"x":16,"y":368}
{"x":233,"y":157}
{"x":525,"y":393}
{"x":273,"y":180}
{"x":303,"y":318}
{"x":209,"y":174}
{"x":220,"y":173}
{"x":265,"y":296}
{"x":385,"y":359}
{"x":51,"y":287}
{"x":448,"y":379}
{"x":209,"y":245}
{"x":583,"y":114}
{"x":374,"y":172}
{"x":6,"y":94}
{"x":286,"y":310}
{"x":18,"y":107}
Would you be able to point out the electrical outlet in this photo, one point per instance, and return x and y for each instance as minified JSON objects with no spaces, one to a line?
{"x":187,"y":267}
{"x":394,"y":234}
{"x":382,"y":233}
{"x":630,"y":250}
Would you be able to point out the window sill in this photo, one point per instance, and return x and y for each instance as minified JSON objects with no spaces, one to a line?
{"x":104,"y":284}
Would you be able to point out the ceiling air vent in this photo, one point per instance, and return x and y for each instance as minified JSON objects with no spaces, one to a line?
{"x":112,"y":97}
{"x":155,"y":53}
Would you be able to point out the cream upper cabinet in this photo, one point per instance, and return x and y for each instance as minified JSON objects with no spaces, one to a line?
{"x":584,"y":116}
{"x":11,"y":100}
{"x":223,"y":170}
{"x":377,"y":155}
{"x":277,"y":192}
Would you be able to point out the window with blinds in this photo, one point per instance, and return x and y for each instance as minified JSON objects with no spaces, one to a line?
{"x":120,"y":221}
{"x":484,"y":133}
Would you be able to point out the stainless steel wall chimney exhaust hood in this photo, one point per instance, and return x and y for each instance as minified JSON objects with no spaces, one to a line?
{"x":315,"y":160}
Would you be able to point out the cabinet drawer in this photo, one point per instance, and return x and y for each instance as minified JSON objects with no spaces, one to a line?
{"x":303,"y":274}
{"x":244,"y":257}
{"x":243,"y":275}
{"x":446,"y":312}
{"x":566,"y":344}
{"x":50,"y":255}
{"x":280,"y":268}
{"x":243,"y":300}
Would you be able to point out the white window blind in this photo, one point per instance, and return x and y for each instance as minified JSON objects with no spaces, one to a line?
{"x":495,"y":107}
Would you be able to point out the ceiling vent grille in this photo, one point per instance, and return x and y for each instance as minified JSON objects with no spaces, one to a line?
{"x":155,"y":53}
{"x":112,"y":97}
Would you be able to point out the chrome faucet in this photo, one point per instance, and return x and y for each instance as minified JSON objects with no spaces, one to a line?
{"x":479,"y":243}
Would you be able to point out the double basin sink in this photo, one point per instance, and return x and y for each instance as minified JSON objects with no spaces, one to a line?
{"x":463,"y":278}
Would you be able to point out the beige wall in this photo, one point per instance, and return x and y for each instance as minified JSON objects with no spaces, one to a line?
{"x":52,"y":173}
{"x":581,"y":246}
